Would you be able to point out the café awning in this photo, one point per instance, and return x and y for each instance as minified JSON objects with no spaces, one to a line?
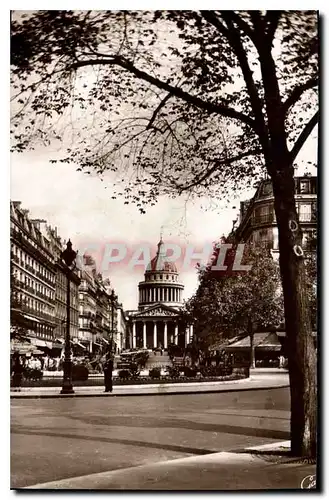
{"x":38,"y":342}
{"x":57,"y":345}
{"x":221,"y":345}
{"x":24,"y":348}
{"x":80,"y":345}
{"x":263,"y":341}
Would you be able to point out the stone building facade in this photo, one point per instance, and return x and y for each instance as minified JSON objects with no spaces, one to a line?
{"x":156,"y":323}
{"x":39,"y":293}
{"x":257,"y":221}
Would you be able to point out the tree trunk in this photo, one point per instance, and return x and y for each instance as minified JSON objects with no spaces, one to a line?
{"x":252,"y":351}
{"x":300,"y":346}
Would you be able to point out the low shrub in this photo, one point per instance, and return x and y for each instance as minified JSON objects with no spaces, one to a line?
{"x":134,"y":370}
{"x":124,"y":374}
{"x":155,"y":373}
{"x":189,"y":371}
{"x":173,"y":371}
{"x":241,"y":368}
{"x":33,"y":374}
{"x":80,"y":372}
{"x":215,"y":371}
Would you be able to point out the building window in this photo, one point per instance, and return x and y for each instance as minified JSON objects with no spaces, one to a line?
{"x":263,"y":214}
{"x":267,"y":188}
{"x":304,"y":187}
{"x":305,"y":212}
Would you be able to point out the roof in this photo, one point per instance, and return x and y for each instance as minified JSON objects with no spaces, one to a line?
{"x":263,"y":340}
{"x":222,"y":344}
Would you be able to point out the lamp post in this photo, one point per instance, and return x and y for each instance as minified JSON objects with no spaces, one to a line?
{"x":252,"y":328}
{"x":68,"y":257}
{"x":113,"y":299}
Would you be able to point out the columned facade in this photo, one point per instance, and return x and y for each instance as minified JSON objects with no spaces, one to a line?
{"x":156,"y":322}
{"x":149,"y":333}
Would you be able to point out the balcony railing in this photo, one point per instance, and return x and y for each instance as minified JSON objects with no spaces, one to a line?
{"x":27,"y":245}
{"x":30,"y":289}
{"x":307,"y":216}
{"x":33,"y":271}
{"x":37,"y":314}
{"x":15,"y":259}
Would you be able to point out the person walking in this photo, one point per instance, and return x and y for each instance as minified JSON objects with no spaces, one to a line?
{"x":17,"y":372}
{"x":108,"y":369}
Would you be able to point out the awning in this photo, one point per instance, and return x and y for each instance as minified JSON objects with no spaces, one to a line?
{"x":78,"y":343}
{"x":39,"y":343}
{"x":269,"y":348}
{"x":265,"y":341}
{"x":99,"y":345}
{"x":61,"y":341}
{"x":57,"y":345}
{"x":223,"y":344}
{"x":21,"y":346}
{"x":105,"y":340}
{"x":31,"y":318}
{"x":24,"y":348}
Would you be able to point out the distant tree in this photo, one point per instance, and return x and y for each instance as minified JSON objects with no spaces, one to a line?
{"x":240,"y":302}
{"x":182,"y":101}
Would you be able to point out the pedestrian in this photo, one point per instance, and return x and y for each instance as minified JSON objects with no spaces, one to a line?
{"x":17,"y":372}
{"x":108,"y":369}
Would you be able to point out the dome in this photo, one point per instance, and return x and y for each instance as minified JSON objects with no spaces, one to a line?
{"x":159,"y":262}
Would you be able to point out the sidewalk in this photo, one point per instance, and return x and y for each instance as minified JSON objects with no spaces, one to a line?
{"x":226,"y":471}
{"x":256,"y":381}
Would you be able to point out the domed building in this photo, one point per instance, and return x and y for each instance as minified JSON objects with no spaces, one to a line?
{"x":156,"y":323}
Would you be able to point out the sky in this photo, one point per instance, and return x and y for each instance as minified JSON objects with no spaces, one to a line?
{"x":81,"y":208}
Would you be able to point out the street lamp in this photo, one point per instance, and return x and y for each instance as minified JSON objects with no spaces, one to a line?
{"x":113,"y":299}
{"x":68,"y":257}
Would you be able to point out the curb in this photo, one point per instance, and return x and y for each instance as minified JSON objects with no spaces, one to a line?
{"x":160,"y":393}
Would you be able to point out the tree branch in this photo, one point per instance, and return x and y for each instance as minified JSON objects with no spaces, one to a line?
{"x":234,"y":39}
{"x":297,"y":92}
{"x":272,"y":18}
{"x":210,"y":107}
{"x":243,"y":25}
{"x":156,"y":111}
{"x":304,"y":135}
{"x":218,"y":163}
{"x":257,"y":20}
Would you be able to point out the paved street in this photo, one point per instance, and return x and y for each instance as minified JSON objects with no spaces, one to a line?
{"x":54,"y":439}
